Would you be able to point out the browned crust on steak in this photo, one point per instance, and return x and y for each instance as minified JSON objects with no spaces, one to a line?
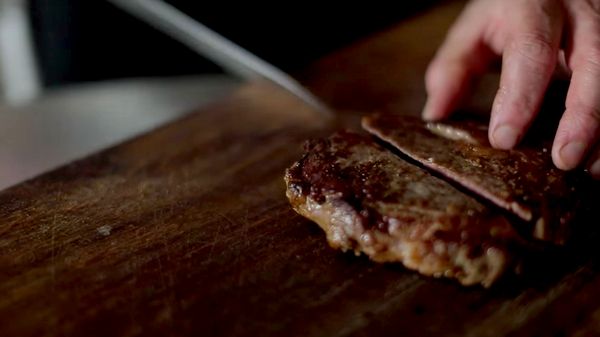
{"x":369,"y":200}
{"x":523,"y":181}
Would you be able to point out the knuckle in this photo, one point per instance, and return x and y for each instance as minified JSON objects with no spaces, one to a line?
{"x":591,"y":113}
{"x":522,"y":107}
{"x":537,"y":49}
{"x":589,"y":59}
{"x":548,"y":7}
{"x":591,"y":7}
{"x":584,"y":117}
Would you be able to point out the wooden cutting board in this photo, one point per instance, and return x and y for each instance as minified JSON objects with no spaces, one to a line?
{"x":186,"y":230}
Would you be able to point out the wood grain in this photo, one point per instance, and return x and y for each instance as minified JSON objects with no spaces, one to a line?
{"x":186,"y":231}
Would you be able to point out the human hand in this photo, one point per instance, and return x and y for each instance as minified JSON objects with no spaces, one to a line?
{"x":533,"y":38}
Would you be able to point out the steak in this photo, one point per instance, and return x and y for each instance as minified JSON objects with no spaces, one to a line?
{"x":523,"y":181}
{"x":368,"y":200}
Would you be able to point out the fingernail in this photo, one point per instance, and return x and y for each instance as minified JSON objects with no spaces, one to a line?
{"x":595,"y":169}
{"x":505,"y":137}
{"x":428,"y":111}
{"x":571,"y":154}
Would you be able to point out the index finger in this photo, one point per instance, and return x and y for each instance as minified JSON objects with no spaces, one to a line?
{"x":529,"y":60}
{"x":462,"y":56}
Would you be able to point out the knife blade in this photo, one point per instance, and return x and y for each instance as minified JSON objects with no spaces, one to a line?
{"x":215,"y":47}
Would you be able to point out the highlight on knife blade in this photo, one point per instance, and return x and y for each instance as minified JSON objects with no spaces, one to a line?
{"x":208,"y":43}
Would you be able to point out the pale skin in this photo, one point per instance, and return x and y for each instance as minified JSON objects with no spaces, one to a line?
{"x":534,"y":39}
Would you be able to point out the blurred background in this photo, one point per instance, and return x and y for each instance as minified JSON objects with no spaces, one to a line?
{"x":78,"y":76}
{"x":80,"y":41}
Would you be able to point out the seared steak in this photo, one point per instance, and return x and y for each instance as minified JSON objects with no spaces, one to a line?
{"x":523,"y":181}
{"x":369,"y":200}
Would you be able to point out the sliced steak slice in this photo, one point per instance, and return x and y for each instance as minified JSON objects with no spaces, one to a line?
{"x":523,"y":181}
{"x":369,"y":200}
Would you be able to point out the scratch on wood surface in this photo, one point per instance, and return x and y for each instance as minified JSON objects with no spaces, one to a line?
{"x":52,"y":252}
{"x":399,"y":292}
{"x":514,"y":314}
{"x":214,"y":242}
{"x":245,"y":227}
{"x":6,"y":227}
{"x":169,"y":276}
{"x":161,"y":271}
{"x":132,"y":287}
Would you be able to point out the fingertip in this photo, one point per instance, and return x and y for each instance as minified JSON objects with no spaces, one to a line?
{"x":428,"y":113}
{"x":431,"y":111}
{"x":558,"y":162}
{"x":556,"y":146}
{"x":504,"y":137}
{"x":568,"y":156}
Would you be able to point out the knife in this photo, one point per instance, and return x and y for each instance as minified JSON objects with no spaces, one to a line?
{"x":215,"y":47}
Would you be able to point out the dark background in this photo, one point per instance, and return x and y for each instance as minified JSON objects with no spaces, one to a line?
{"x":80,"y":41}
